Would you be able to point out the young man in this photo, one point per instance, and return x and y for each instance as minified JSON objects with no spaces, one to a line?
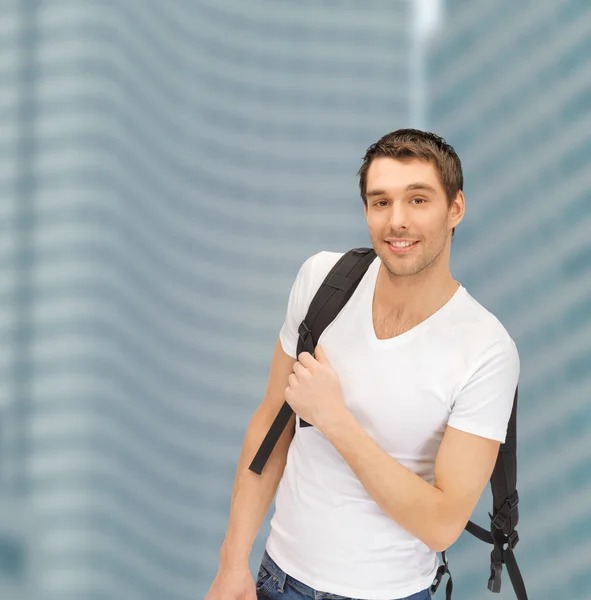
{"x":409,"y":395}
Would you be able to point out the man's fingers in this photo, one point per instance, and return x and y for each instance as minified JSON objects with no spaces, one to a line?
{"x":298,"y":368}
{"x":306,"y":359}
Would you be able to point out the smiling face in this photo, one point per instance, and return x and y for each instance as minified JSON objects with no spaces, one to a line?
{"x":409,"y":217}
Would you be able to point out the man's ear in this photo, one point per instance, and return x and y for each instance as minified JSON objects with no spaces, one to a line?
{"x":457,"y":209}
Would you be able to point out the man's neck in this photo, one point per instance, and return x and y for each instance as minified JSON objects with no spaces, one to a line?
{"x":413,"y":297}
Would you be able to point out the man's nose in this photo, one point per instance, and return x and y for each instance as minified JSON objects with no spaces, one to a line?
{"x":398,"y":216}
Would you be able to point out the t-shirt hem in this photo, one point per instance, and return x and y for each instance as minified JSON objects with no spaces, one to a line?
{"x":482,"y":432}
{"x":290,"y":352}
{"x":350,"y":592}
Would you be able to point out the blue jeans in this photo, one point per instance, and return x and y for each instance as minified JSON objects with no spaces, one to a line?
{"x":273,"y":584}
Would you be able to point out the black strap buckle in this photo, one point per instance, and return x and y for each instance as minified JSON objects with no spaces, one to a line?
{"x":494,"y":582}
{"x":513,"y":501}
{"x":438,"y":578}
{"x":304,"y":331}
{"x":498,"y":521}
{"x":512,"y":539}
{"x":500,"y":518}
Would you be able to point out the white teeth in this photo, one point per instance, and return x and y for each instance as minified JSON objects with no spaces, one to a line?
{"x":401,"y":244}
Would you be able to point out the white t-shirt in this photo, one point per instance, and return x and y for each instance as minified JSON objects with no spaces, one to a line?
{"x":458,"y":367}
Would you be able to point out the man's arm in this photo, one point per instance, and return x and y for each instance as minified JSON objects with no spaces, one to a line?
{"x":435,"y":514}
{"x":252,"y":494}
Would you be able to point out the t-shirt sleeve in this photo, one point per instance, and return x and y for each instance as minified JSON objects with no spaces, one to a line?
{"x":297,"y":307}
{"x":484,"y":403}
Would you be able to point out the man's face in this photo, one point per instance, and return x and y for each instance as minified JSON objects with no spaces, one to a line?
{"x":407,"y":203}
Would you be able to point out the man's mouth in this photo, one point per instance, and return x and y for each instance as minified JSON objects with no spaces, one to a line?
{"x":401,"y":246}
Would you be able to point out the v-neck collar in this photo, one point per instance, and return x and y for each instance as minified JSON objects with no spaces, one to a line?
{"x":367,"y":309}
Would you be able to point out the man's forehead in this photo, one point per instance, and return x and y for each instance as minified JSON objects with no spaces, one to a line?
{"x":394,"y":175}
{"x":383,"y":164}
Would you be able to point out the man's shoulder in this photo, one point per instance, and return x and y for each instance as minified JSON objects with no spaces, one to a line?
{"x":326,"y":260}
{"x":317,"y":266}
{"x":478,"y":322}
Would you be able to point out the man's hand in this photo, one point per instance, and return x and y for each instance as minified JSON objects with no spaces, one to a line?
{"x":314,"y":391}
{"x":233,"y":584}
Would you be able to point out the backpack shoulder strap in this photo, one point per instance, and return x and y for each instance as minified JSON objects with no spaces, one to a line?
{"x":503,"y":535}
{"x":332,"y":295}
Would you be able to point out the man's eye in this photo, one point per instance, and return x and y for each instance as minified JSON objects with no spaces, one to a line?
{"x":419,"y":200}
{"x":381,"y":203}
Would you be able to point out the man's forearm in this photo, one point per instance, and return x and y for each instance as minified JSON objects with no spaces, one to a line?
{"x":412,"y":502}
{"x":252,"y":494}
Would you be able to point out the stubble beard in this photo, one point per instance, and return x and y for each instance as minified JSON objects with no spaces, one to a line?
{"x":407,"y":266}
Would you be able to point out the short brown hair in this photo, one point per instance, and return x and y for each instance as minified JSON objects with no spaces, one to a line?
{"x":406,"y":144}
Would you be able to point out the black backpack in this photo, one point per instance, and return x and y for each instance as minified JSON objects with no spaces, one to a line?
{"x":329,"y":300}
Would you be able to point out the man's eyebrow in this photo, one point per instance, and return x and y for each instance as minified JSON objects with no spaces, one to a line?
{"x":411,"y":186}
{"x":420,"y":186}
{"x":376,"y":193}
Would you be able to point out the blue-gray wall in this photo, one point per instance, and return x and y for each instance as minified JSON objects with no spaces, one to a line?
{"x":510,"y":88}
{"x":166,"y":168}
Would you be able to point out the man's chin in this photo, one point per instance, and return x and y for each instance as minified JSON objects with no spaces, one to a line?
{"x":401,"y":271}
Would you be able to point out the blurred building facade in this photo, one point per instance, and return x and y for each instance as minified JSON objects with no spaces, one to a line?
{"x":166,"y":169}
{"x":509,"y":87}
